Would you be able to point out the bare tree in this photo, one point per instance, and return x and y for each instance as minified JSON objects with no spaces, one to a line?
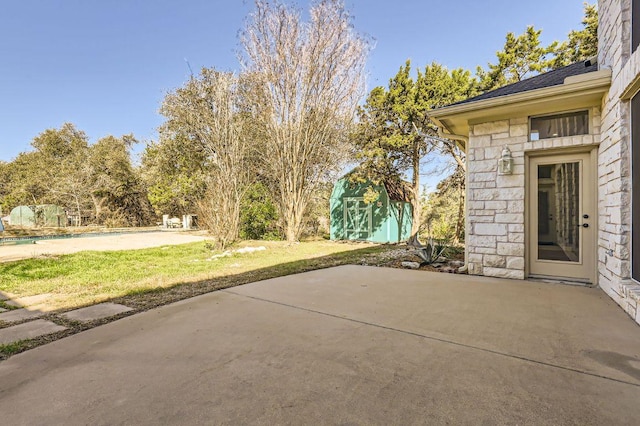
{"x":208,"y":111}
{"x":310,"y":79}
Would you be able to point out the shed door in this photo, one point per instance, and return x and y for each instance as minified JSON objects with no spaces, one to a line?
{"x":357,"y":219}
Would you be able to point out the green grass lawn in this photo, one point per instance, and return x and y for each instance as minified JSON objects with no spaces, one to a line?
{"x":91,"y":277}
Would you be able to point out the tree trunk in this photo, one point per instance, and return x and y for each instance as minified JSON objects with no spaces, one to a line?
{"x":290,"y":231}
{"x":461,"y":218}
{"x":293,"y":221}
{"x":97,"y":207}
{"x":78,"y":208}
{"x":415,"y":195}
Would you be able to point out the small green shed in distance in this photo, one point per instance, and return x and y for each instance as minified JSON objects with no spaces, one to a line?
{"x":387,"y":219}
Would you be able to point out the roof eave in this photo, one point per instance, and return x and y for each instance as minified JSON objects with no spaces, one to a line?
{"x":578,"y":91}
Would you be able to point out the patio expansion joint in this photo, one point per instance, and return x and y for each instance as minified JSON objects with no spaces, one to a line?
{"x":438,"y":339}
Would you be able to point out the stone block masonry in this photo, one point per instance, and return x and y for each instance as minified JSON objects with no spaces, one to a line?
{"x":496,"y":203}
{"x":493,"y":242}
{"x":614,"y":165}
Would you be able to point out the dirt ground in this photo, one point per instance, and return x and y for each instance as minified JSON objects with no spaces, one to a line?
{"x":129,"y":241}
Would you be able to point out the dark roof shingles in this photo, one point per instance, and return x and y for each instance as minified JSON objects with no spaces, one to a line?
{"x":547,"y":79}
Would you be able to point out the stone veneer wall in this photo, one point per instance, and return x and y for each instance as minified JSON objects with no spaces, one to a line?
{"x":614,"y":167}
{"x":496,"y":204}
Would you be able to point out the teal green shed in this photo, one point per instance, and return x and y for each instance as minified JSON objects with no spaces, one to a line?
{"x":388,"y":219}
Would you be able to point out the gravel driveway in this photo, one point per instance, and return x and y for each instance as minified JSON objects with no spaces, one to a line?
{"x":125,"y":241}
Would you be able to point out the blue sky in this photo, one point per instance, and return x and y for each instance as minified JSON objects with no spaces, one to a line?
{"x":105,"y":65}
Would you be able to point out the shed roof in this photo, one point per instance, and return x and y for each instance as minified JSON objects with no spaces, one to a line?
{"x":547,"y":79}
{"x":398,"y":190}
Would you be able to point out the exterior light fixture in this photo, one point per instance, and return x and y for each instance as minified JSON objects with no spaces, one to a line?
{"x":505,"y":163}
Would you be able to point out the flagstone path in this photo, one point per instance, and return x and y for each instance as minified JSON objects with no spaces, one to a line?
{"x":30,"y":325}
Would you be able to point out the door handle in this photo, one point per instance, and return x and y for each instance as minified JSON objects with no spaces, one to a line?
{"x":584,"y":225}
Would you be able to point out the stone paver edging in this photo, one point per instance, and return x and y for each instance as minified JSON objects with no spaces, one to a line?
{"x":95,"y":312}
{"x":16,"y":315}
{"x":33,"y":327}
{"x":28,"y":330}
{"x":20,"y":302}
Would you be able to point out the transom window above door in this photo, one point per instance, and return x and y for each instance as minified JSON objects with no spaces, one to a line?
{"x":559,"y":125}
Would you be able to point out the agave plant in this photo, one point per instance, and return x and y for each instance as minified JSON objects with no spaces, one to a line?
{"x":431,"y":252}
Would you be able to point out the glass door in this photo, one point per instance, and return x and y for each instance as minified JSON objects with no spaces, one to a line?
{"x":561,"y":217}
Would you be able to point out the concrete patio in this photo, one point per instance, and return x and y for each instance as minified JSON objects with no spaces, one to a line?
{"x":346,"y":345}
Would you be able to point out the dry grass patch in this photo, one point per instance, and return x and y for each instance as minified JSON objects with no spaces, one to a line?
{"x":92,"y":277}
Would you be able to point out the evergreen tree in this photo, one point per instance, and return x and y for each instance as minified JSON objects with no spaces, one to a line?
{"x":390,"y":137}
{"x":520,"y":58}
{"x":582,"y":44}
{"x":523,"y":56}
